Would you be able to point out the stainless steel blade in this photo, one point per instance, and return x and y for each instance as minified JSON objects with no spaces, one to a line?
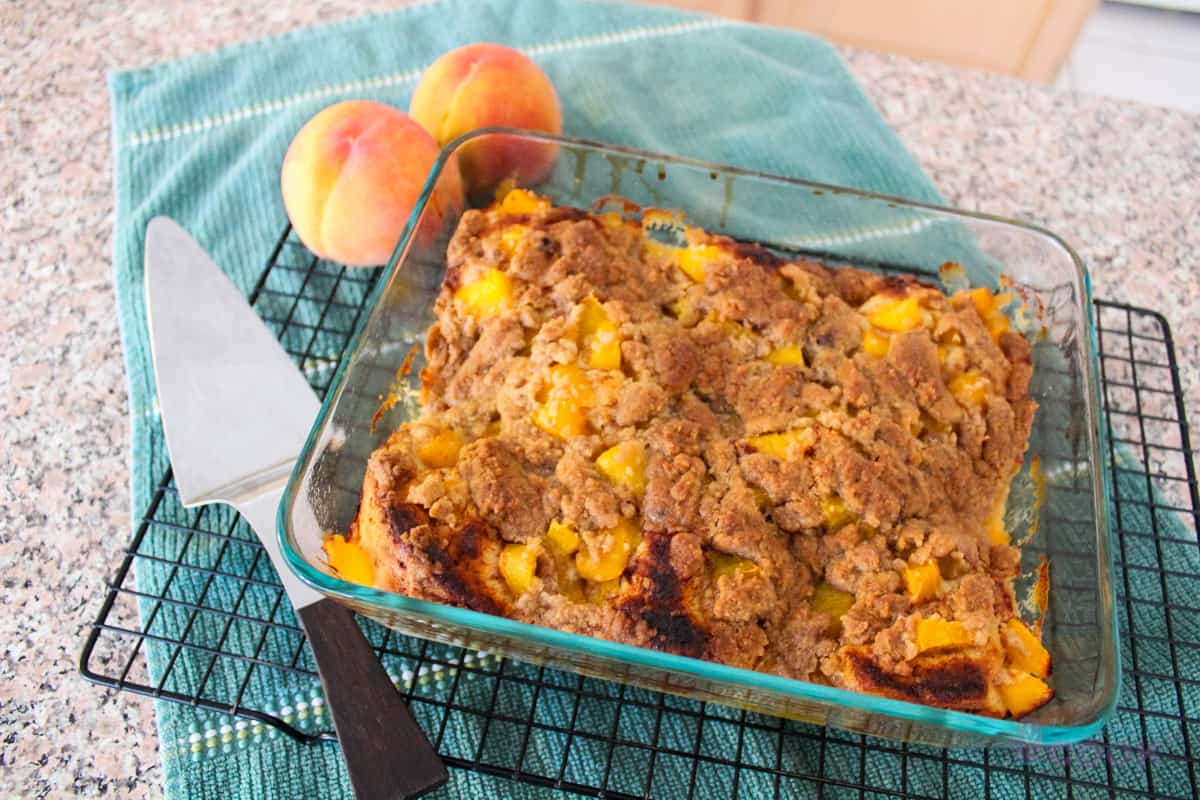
{"x":235,"y":409}
{"x":236,"y":412}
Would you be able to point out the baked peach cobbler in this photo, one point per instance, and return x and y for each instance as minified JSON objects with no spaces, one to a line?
{"x":715,"y":451}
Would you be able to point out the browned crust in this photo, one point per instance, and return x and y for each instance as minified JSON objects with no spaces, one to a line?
{"x":656,"y":600}
{"x":402,"y":518}
{"x":755,"y":253}
{"x":1041,"y":592}
{"x":960,"y":681}
{"x":452,"y":566}
{"x":426,"y":559}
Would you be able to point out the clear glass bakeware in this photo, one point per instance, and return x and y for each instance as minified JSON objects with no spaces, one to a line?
{"x":1060,"y":515}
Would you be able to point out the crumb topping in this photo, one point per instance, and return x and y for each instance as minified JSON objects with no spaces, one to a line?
{"x":707,"y":448}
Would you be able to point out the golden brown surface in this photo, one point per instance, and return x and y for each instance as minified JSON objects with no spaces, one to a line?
{"x":717,"y":452}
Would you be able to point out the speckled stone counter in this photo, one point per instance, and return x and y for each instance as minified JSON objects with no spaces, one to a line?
{"x":1120,"y":181}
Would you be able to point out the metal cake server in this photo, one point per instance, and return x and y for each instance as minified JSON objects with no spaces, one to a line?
{"x":236,"y":413}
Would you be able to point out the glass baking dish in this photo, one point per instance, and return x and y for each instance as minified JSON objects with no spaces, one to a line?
{"x":1059,"y":503}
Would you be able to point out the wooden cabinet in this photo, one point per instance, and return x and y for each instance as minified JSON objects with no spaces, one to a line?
{"x":1026,"y":38}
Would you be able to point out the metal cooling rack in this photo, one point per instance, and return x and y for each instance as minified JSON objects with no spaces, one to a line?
{"x":1150,"y":749}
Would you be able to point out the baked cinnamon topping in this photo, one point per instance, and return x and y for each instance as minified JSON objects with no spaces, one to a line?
{"x":717,"y":451}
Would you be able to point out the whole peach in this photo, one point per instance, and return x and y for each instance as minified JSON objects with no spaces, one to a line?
{"x":351,"y":176}
{"x":481,"y":85}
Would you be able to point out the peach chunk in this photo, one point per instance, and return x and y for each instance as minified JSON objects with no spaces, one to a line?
{"x":481,"y":85}
{"x":351,"y":177}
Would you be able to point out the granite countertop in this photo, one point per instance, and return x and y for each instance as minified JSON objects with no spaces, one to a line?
{"x":1120,"y":181}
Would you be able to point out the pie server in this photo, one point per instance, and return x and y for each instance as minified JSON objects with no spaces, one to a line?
{"x":236,"y":413}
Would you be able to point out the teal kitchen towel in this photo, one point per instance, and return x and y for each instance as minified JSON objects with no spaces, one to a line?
{"x":202,"y":140}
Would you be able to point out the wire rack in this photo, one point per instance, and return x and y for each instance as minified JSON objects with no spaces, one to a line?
{"x":634,"y":743}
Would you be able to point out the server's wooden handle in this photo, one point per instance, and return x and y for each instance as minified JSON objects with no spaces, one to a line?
{"x":386,"y":752}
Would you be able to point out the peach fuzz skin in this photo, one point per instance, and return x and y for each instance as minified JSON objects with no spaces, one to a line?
{"x":482,"y":85}
{"x":351,"y":177}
